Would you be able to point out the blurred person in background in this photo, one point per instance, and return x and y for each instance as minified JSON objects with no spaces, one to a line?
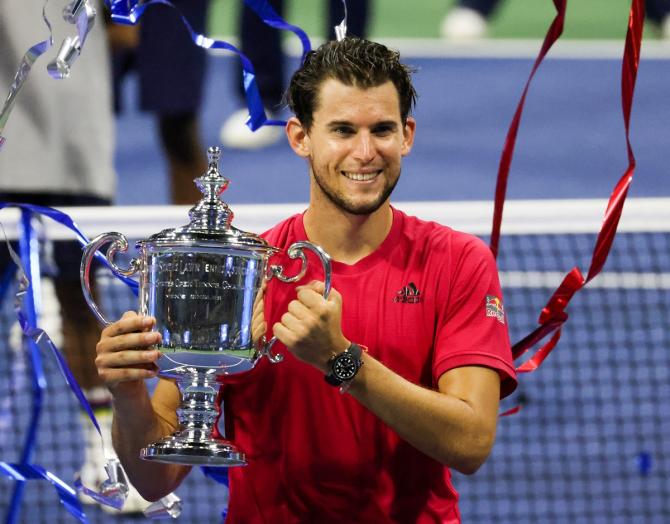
{"x":469,"y":19}
{"x":262,"y":45}
{"x":59,"y":152}
{"x":658,"y":12}
{"x":171,"y":73}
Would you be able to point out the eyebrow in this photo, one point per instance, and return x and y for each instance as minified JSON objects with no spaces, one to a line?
{"x":339,"y":123}
{"x":384,"y":123}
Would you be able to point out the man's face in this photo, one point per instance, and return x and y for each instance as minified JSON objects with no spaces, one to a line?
{"x":355,"y":145}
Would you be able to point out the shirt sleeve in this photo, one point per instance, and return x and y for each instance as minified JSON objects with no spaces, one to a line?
{"x":472,"y":326}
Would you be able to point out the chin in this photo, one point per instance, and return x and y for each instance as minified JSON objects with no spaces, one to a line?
{"x":362,"y":208}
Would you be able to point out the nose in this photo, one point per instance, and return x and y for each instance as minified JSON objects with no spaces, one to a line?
{"x":364,"y":147}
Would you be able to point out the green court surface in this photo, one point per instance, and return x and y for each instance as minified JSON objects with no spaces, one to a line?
{"x":585,"y":19}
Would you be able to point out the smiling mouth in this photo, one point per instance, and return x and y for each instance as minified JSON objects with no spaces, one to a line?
{"x":361,"y":177}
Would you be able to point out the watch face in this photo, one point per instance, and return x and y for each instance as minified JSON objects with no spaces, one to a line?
{"x":345,"y":367}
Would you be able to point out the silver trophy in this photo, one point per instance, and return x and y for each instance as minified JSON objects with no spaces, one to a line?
{"x":200,"y":282}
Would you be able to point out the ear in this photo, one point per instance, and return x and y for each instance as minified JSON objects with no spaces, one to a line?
{"x":408,"y":136}
{"x":298,"y":138}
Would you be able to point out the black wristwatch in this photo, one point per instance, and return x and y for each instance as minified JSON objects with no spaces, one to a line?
{"x":344,"y":366}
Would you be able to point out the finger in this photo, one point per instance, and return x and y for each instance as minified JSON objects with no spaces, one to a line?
{"x":284,"y":335}
{"x":259,"y":330}
{"x":129,"y":358}
{"x":258,"y":299}
{"x":299,"y":310}
{"x":113,"y":376}
{"x":257,"y":318}
{"x":145,"y":325}
{"x":128,"y":341}
{"x":316,"y":285}
{"x":258,"y":302}
{"x":259,"y":310}
{"x":309,"y":297}
{"x":293,"y":324}
{"x":261,"y":293}
{"x":129,"y":323}
{"x":334,"y":296}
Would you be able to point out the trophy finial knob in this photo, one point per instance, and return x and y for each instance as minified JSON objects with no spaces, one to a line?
{"x":212,"y":183}
{"x":211,"y":213}
{"x":213,"y":155}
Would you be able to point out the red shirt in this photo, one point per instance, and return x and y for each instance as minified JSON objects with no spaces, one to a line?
{"x":426,"y":301}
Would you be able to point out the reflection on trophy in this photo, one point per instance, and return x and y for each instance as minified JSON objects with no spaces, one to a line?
{"x":200,"y":282}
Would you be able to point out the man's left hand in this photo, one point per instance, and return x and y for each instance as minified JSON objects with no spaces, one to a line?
{"x":312,"y":327}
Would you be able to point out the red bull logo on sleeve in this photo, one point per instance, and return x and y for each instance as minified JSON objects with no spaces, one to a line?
{"x":494,"y":308}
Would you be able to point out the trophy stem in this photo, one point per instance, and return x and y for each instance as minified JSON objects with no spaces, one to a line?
{"x":193,"y":444}
{"x":197,"y":412}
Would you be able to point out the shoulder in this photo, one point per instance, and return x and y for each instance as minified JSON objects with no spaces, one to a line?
{"x":442,"y":239}
{"x":284,"y":232}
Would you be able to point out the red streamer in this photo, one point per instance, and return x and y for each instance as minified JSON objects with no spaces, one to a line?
{"x":553,"y":315}
{"x":512,"y":411}
{"x":553,"y":34}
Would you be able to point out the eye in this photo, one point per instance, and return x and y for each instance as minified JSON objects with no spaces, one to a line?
{"x":343,"y":130}
{"x":383,"y":130}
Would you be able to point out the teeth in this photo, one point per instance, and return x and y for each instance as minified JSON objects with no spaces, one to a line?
{"x":361,"y":177}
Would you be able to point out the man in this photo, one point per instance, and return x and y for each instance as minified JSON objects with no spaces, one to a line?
{"x":423,"y":299}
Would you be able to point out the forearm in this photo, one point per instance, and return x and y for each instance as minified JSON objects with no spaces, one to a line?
{"x":135,"y":426}
{"x":455,"y":425}
{"x":442,"y":426}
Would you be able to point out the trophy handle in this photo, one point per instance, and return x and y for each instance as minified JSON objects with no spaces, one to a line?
{"x":119,"y":243}
{"x":297,"y":250}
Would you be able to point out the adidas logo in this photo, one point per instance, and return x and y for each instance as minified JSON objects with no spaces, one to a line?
{"x":409,"y":294}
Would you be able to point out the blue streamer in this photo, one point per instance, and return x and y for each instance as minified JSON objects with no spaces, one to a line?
{"x":28,"y":265}
{"x":644,"y":463}
{"x":130,"y":11}
{"x":68,"y":496}
{"x":65,"y":220}
{"x":28,"y":246}
{"x":220,"y":475}
{"x":267,"y":13}
{"x":44,"y":343}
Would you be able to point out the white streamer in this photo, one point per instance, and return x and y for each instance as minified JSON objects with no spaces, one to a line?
{"x":341,"y":29}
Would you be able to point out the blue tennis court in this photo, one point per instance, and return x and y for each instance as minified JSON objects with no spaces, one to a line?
{"x":590,"y":444}
{"x":571,"y":142}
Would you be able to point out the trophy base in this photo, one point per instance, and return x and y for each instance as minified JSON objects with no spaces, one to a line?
{"x":176,"y":450}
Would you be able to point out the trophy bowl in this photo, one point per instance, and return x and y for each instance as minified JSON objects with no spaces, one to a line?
{"x":200,"y":282}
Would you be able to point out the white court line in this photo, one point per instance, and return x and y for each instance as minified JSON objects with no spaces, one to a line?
{"x":537,"y":280}
{"x":494,"y":48}
{"x":521,"y":217}
{"x":604,"y":280}
{"x":524,"y":48}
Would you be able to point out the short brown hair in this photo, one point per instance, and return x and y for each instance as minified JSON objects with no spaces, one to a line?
{"x":354,"y":62}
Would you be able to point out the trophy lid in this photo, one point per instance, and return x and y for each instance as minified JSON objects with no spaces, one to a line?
{"x":211,"y":217}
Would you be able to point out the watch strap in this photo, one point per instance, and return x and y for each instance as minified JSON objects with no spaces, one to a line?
{"x":356,"y":351}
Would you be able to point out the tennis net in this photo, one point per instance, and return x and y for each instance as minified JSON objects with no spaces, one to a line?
{"x":591,"y":441}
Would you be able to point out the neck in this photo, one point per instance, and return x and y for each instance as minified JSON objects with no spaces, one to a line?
{"x":345,"y":237}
